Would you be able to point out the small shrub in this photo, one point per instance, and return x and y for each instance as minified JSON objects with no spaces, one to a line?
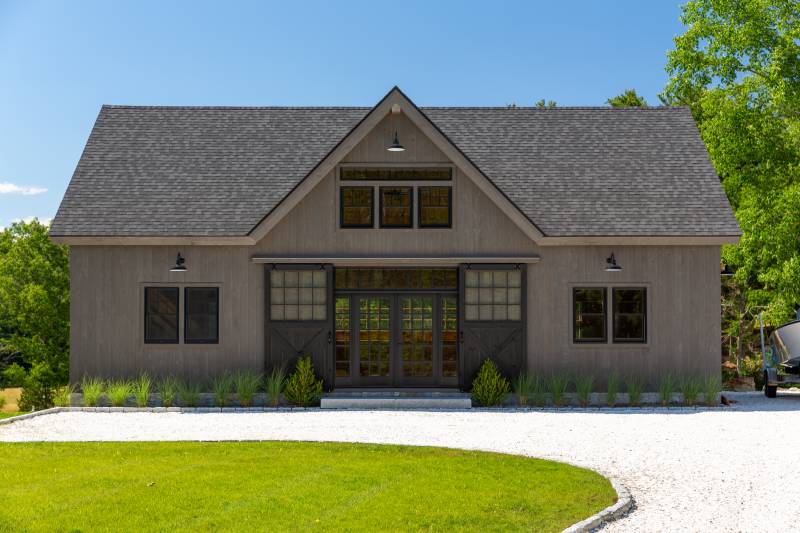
{"x":141,"y":390}
{"x":222,"y":386}
{"x":303,"y":388}
{"x":523,"y":387}
{"x":246,"y":384}
{"x":612,"y":389}
{"x":489,"y":387}
{"x":118,"y":392}
{"x":274,"y":384}
{"x":539,"y":399}
{"x":635,"y":388}
{"x":583,"y":386}
{"x":665,"y":389}
{"x":63,"y":396}
{"x":92,"y":390}
{"x":557,"y":385}
{"x":2,"y":401}
{"x":713,"y":387}
{"x":691,"y":388}
{"x":168,"y":389}
{"x":38,"y":388}
{"x":189,"y":393}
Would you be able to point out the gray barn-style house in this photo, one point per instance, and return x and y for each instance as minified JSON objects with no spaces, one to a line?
{"x":397,"y":246}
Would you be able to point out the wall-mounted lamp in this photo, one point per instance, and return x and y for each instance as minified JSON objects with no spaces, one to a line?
{"x":396,"y":146}
{"x":726,"y":272}
{"x":179,"y":264}
{"x":611,"y":264}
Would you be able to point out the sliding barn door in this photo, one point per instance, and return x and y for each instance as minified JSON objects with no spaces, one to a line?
{"x":299,"y":317}
{"x":492,"y":319}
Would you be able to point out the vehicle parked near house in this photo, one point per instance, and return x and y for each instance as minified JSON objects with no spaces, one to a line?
{"x":782,"y":359}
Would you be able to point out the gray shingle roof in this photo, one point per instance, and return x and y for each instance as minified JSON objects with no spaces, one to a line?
{"x":212,"y":171}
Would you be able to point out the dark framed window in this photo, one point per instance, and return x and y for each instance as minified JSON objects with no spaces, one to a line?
{"x":435,"y":207}
{"x":356,"y":207}
{"x":589,"y":314}
{"x":396,"y":207}
{"x":161,"y":315}
{"x":492,"y":295}
{"x":629,"y":311}
{"x":201,"y":315}
{"x":396,"y":174}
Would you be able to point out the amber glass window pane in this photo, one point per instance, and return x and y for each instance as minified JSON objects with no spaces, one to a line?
{"x":589,"y":313}
{"x":396,"y":278}
{"x":396,"y":174}
{"x":395,"y":207}
{"x":343,"y":337}
{"x":630,"y":323}
{"x":434,"y":207}
{"x":161,"y":315}
{"x":356,"y":207}
{"x":449,"y":337}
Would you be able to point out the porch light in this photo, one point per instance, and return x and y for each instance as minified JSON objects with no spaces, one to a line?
{"x":396,"y":146}
{"x":611,"y":264}
{"x":726,"y":272}
{"x":179,"y":264}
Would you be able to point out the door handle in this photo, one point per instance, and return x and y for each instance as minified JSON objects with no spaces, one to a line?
{"x":330,"y":337}
{"x":461,"y":337}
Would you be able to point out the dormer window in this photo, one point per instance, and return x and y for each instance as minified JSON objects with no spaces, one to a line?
{"x":417,"y":197}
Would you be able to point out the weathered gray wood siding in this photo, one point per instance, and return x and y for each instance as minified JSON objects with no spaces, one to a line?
{"x":683,"y":300}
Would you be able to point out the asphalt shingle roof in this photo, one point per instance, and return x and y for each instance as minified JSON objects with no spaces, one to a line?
{"x":216,"y":171}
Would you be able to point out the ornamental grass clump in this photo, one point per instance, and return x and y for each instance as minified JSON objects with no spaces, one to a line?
{"x":246,"y":384}
{"x":141,"y":390}
{"x":583,"y":386}
{"x":523,"y":387}
{"x":665,"y":390}
{"x":713,"y":386}
{"x":612,"y":389}
{"x":490,"y":388}
{"x":92,"y":391}
{"x":63,"y":395}
{"x":222,"y":386}
{"x":189,"y":393}
{"x":691,"y":388}
{"x":118,"y":392}
{"x":557,"y":386}
{"x":303,"y":388}
{"x":635,"y":388}
{"x":539,"y":397}
{"x":274,"y":384}
{"x":168,"y":389}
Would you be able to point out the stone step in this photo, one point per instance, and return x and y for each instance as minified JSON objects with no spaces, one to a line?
{"x":396,"y":400}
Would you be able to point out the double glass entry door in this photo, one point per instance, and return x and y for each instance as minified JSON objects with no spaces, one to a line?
{"x":396,"y":340}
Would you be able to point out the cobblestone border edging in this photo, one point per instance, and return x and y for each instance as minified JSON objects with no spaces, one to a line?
{"x":613,"y":512}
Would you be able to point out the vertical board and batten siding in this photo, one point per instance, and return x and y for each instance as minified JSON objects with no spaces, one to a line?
{"x":683,"y":311}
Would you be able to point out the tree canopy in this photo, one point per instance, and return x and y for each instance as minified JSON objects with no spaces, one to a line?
{"x":628,"y":98}
{"x":34,"y":298}
{"x":737,"y":67}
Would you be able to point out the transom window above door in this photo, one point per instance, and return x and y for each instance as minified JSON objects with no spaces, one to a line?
{"x":390,"y":197}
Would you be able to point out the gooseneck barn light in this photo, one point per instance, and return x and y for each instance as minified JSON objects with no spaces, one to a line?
{"x":179,"y":264}
{"x":611,"y":264}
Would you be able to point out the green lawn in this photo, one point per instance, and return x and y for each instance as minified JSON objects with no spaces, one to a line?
{"x":8,"y":415}
{"x":280,"y":486}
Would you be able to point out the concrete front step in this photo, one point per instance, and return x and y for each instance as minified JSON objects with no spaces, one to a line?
{"x":396,"y":400}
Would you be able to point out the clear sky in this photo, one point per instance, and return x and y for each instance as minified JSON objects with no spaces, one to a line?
{"x":61,"y":60}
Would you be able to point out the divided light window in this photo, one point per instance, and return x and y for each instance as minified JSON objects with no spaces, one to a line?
{"x":435,"y":207}
{"x":356,"y":207}
{"x":630,"y":315}
{"x":396,"y":207}
{"x":589,"y":314}
{"x":298,"y":295}
{"x":493,"y":295}
{"x":161,"y":315}
{"x":201,"y":315}
{"x":396,"y":174}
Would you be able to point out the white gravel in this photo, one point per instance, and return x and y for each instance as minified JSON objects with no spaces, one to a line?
{"x":731,"y":469}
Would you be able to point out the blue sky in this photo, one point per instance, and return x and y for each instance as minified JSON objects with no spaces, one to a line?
{"x":61,"y":60}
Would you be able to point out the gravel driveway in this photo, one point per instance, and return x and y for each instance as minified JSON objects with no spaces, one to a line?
{"x":731,"y":469}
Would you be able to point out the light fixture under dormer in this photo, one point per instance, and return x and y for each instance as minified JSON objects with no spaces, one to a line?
{"x":179,"y":264}
{"x":611,"y":264}
{"x":396,"y":146}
